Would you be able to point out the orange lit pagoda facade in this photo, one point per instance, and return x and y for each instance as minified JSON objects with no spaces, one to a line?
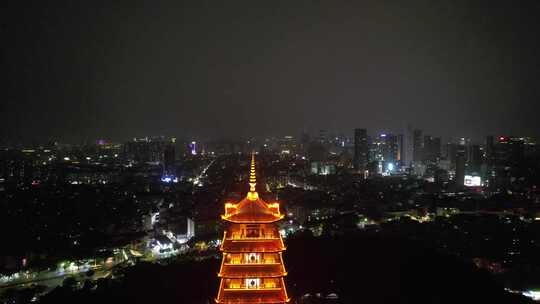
{"x":252,"y":268}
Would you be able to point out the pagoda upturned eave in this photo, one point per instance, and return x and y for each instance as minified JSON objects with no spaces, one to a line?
{"x":252,"y":211}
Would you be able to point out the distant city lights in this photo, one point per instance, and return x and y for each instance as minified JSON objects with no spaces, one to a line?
{"x":169,"y":179}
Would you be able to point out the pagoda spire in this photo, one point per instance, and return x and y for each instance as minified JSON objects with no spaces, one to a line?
{"x":252,"y":194}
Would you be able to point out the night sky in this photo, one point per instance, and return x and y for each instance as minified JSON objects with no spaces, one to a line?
{"x":81,"y":70}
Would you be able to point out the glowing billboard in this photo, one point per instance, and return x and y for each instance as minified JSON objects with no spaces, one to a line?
{"x":473,"y":181}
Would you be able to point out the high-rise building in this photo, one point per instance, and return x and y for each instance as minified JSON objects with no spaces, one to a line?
{"x":408,"y":147}
{"x":509,"y":150}
{"x":460,"y":164}
{"x":288,"y":145}
{"x":384,"y":150}
{"x":304,"y":141}
{"x":360,"y":149}
{"x":432,"y":149}
{"x":460,"y":170}
{"x":474,"y":158}
{"x":490,"y":146}
{"x":401,"y":157}
{"x":252,"y":268}
{"x":418,"y":145}
{"x":192,"y":147}
{"x":451,"y":152}
{"x":390,"y":149}
{"x":323,"y":136}
{"x":169,"y":158}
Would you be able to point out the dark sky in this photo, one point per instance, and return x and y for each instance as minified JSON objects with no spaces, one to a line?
{"x":80,"y":70}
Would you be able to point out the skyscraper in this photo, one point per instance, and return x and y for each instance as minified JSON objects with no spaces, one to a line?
{"x":384,"y":149}
{"x":360,"y":149}
{"x":474,"y":158}
{"x":408,"y":150}
{"x":418,"y":145}
{"x":460,"y":163}
{"x":490,"y":145}
{"x":432,"y":148}
{"x":169,"y":158}
{"x":401,"y":157}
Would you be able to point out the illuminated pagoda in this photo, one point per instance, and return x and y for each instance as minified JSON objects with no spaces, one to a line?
{"x":252,"y":268}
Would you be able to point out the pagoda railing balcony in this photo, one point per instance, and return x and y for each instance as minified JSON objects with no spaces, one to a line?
{"x":247,"y":263}
{"x":253,"y":234}
{"x":235,"y":287}
{"x":247,"y":246}
{"x":268,"y":296}
{"x":242,"y":237}
{"x":253,"y":238}
{"x":235,"y":291}
{"x":243,"y":288}
{"x":252,"y":270}
{"x":252,"y":259}
{"x":262,"y":274}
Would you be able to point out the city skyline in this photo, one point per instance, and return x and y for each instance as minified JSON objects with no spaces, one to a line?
{"x":306,"y":152}
{"x":332,"y":135}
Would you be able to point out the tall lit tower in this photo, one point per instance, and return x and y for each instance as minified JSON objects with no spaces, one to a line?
{"x":252,"y":267}
{"x":360,"y":149}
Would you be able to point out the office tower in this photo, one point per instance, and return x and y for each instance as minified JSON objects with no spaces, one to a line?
{"x":360,"y":149}
{"x":474,"y":157}
{"x":432,"y":149}
{"x":323,"y":136}
{"x":401,"y":150}
{"x":460,"y":164}
{"x":304,"y":141}
{"x":460,"y":170}
{"x":490,"y":146}
{"x":252,"y":268}
{"x":509,"y":150}
{"x":408,"y":147}
{"x":385,"y":149}
{"x":417,"y":145}
{"x":451,"y":152}
{"x":169,"y":158}
{"x":391,"y":148}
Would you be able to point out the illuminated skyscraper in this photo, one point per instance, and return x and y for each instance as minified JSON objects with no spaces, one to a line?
{"x":252,"y":268}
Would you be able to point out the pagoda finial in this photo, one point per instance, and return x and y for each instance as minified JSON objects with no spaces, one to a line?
{"x":252,"y":195}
